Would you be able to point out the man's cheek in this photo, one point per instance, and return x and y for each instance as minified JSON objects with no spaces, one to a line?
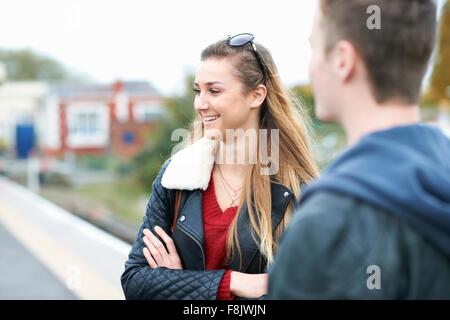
{"x":312,"y":74}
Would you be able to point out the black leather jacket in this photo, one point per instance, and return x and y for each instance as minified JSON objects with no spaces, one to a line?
{"x":139,"y":281}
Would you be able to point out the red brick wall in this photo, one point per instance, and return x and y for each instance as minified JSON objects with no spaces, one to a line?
{"x":142,"y":132}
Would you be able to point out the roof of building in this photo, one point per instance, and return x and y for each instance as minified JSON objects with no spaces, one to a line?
{"x":133,"y":88}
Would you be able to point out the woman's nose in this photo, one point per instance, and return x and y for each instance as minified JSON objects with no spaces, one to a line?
{"x":200,"y":103}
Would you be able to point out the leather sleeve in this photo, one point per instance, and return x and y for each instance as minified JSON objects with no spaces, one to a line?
{"x":139,"y":281}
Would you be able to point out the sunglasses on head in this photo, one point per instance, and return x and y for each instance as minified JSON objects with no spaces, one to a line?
{"x":242,"y":39}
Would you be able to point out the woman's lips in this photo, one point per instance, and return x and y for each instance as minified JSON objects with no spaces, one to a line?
{"x":210,"y":119}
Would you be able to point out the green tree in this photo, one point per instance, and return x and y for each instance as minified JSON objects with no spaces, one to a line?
{"x":179,"y":114}
{"x":25,"y":64}
{"x":440,"y":79}
{"x":305,"y":94}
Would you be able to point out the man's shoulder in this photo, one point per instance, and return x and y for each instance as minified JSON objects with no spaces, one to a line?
{"x":334,"y":221}
{"x":334,"y":205}
{"x":335,"y":216}
{"x":330,"y":241}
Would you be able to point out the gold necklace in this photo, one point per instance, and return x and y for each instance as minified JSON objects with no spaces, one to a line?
{"x":235,"y":194}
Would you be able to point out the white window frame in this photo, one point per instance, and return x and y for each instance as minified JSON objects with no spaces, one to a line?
{"x":88,"y":125}
{"x":147,"y":112}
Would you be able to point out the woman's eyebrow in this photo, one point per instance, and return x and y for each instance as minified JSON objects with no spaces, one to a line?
{"x":210,"y":83}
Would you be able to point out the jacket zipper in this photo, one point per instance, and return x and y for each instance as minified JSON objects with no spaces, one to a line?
{"x":199,"y":245}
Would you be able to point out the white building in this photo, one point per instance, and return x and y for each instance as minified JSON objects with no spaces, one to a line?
{"x":20,"y":102}
{"x":94,"y":119}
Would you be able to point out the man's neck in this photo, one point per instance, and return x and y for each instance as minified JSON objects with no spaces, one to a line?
{"x":373,"y":117}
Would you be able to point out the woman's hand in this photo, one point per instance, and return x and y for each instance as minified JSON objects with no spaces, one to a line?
{"x":156,"y":253}
{"x":247,"y":285}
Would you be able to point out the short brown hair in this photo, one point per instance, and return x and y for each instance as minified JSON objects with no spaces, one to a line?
{"x":397,"y":55}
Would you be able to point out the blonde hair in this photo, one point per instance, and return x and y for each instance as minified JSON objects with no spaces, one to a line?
{"x":280,"y":110}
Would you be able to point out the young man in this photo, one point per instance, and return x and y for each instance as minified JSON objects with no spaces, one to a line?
{"x":377,"y":223}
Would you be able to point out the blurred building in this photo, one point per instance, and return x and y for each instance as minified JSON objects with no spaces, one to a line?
{"x":20,"y":102}
{"x":116,"y":118}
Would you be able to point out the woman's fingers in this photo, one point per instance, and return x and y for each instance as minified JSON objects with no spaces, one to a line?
{"x":157,"y":250}
{"x":168,"y":240}
{"x":154,"y":251}
{"x":149,"y":259}
{"x":157,"y":243}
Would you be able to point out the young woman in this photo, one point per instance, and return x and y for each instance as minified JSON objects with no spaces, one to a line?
{"x":231,"y":213}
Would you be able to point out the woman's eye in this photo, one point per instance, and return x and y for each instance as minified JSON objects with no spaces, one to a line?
{"x":214,"y":91}
{"x":196,"y":91}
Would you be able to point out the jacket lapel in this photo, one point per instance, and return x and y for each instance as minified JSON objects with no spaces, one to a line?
{"x":191,"y":218}
{"x":190,"y":222}
{"x":281,"y":197}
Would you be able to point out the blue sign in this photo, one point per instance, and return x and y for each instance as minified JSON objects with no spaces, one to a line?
{"x":128,"y":137}
{"x":25,"y":140}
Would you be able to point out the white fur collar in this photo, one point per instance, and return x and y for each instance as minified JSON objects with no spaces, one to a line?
{"x":190,"y":168}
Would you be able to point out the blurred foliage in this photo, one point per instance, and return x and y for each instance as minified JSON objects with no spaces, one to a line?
{"x":99,"y":162}
{"x":305,"y":94}
{"x":179,"y":114}
{"x":25,"y":64}
{"x":120,"y":197}
{"x":3,"y":146}
{"x":439,"y":90}
{"x":328,"y":138}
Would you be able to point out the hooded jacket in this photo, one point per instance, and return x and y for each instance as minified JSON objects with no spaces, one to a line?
{"x":383,"y":205}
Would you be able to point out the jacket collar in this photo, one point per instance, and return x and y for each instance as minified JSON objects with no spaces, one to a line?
{"x":190,"y":168}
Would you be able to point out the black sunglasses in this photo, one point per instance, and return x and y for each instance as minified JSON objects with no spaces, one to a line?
{"x":242,"y":39}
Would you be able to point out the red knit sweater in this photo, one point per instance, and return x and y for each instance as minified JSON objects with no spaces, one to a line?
{"x":215,"y":226}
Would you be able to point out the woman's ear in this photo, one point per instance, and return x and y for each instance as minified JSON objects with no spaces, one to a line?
{"x":257,"y":96}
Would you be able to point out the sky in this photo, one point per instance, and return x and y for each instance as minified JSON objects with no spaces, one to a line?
{"x":157,"y":41}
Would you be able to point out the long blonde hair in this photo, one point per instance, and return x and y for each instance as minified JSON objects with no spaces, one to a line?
{"x":280,"y":110}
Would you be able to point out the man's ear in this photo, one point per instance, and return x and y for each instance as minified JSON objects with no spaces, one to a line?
{"x":257,"y":96}
{"x":345,"y":57}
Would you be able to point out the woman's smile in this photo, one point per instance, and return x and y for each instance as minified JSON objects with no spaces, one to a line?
{"x":209,"y":120}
